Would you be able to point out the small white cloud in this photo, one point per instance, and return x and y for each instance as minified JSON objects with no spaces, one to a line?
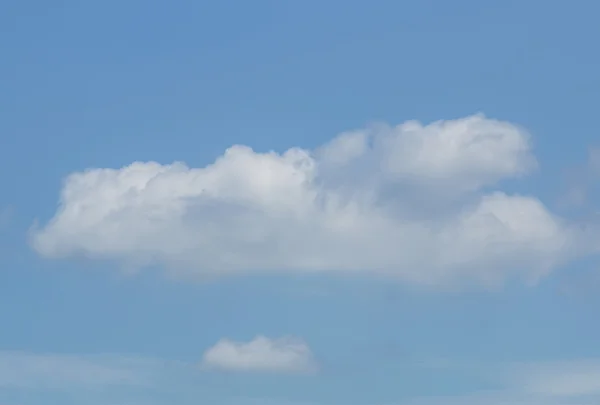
{"x":285,"y":355}
{"x":414,"y":202}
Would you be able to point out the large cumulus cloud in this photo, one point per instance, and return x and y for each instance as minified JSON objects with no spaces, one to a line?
{"x":419,"y":203}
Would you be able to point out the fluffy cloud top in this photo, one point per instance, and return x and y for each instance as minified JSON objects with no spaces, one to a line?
{"x":415,"y":202}
{"x":262,"y":354}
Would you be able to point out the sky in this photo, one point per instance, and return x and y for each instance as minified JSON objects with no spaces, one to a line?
{"x":299,"y":203}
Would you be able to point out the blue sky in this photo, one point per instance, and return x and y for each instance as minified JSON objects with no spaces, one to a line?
{"x":376,"y":203}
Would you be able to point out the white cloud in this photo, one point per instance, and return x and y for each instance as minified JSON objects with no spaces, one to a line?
{"x":414,"y":202}
{"x":285,"y":355}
